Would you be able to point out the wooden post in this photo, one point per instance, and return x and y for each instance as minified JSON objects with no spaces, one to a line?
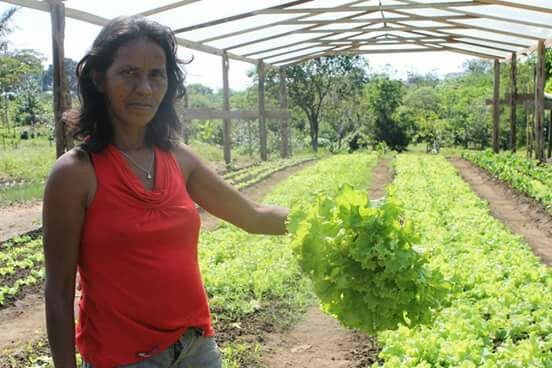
{"x":62,"y":98}
{"x":262,"y":117}
{"x":496,"y":105}
{"x":513,"y":97}
{"x":284,"y":106}
{"x":186,"y":123}
{"x":539,"y":104}
{"x":550,"y":135}
{"x":528,"y":128}
{"x":227,"y":122}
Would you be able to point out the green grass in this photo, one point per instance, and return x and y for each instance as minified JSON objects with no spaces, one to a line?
{"x":21,"y":193}
{"x":31,"y":160}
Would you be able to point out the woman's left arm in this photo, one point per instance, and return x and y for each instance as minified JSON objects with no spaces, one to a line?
{"x":219,"y":198}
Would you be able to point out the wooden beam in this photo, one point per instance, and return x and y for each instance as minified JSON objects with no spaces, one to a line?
{"x":161,"y":9}
{"x":471,"y":26}
{"x":239,"y":16}
{"x":539,"y":103}
{"x":272,"y":56}
{"x":62,"y":98}
{"x":226,"y":136}
{"x":513,"y":105}
{"x":285,"y":122}
{"x":403,"y":28}
{"x":247,"y":30}
{"x":307,"y":55}
{"x":298,"y":60}
{"x":447,"y":43}
{"x":480,"y":45}
{"x":186,"y":123}
{"x":100,"y":21}
{"x":296,"y":21}
{"x":526,"y":99}
{"x":518,"y":5}
{"x":479,"y":54}
{"x":519,"y":20}
{"x":304,"y":30}
{"x":506,"y":43}
{"x":481,"y":28}
{"x":281,"y":22}
{"x":213,"y":114}
{"x":496,"y":105}
{"x":315,"y":39}
{"x":550,"y":134}
{"x":391,"y":8}
{"x":262,"y":115}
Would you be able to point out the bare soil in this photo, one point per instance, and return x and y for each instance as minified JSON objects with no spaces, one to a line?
{"x":24,"y":321}
{"x":521,"y":214}
{"x":19,"y":219}
{"x":318,"y":340}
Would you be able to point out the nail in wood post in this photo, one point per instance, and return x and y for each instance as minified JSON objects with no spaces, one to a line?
{"x":284,"y":106}
{"x":513,"y":98}
{"x":262,"y":117}
{"x":539,"y":104}
{"x":62,"y":99}
{"x":496,"y":106}
{"x":227,"y":122}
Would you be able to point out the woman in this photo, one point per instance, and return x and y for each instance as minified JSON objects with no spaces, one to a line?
{"x":121,"y":210}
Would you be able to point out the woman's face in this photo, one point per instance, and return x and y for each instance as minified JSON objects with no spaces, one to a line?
{"x":135,"y":83}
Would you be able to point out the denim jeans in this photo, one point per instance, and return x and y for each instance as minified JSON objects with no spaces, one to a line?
{"x":192,"y":350}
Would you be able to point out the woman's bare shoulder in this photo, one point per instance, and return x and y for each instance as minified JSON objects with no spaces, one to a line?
{"x":187,"y":159}
{"x":73,"y":163}
{"x":73,"y":173}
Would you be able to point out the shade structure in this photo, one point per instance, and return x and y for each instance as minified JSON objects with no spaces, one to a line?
{"x":288,"y":32}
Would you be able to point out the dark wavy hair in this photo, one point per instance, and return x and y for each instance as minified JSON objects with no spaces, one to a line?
{"x":94,"y":123}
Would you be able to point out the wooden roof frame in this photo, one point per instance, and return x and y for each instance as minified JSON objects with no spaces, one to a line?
{"x":351,"y":28}
{"x":495,"y":43}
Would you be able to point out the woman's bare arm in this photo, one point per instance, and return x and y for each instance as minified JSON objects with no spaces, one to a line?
{"x":65,"y":199}
{"x":219,"y":198}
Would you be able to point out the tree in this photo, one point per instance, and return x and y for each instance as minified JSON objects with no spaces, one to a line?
{"x":477,"y":66}
{"x":310,"y":83}
{"x":5,"y":27}
{"x":70,"y":67}
{"x":343,"y":115}
{"x":419,"y":80}
{"x":30,"y":108}
{"x":15,"y":68}
{"x":383,"y":97}
{"x":424,"y":106}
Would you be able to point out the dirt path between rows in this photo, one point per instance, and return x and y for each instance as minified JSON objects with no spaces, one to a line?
{"x":19,"y":219}
{"x":318,"y":340}
{"x":25,"y":322}
{"x":522,"y":215}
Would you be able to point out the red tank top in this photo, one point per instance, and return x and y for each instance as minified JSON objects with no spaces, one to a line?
{"x":140,"y":279}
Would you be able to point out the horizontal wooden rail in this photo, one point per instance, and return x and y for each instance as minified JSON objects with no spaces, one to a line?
{"x":206,"y":114}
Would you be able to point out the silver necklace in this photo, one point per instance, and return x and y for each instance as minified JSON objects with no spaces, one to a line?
{"x":149,"y":176}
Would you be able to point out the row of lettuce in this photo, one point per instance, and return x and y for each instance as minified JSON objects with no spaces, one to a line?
{"x":251,"y":175}
{"x":247,"y":274}
{"x":524,"y":175}
{"x":497,"y":312}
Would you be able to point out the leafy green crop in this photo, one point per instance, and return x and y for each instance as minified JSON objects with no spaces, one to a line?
{"x":500,"y":297}
{"x":363,"y":262}
{"x":523,"y":175}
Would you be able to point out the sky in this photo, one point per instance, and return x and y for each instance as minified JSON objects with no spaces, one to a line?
{"x":32,"y":29}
